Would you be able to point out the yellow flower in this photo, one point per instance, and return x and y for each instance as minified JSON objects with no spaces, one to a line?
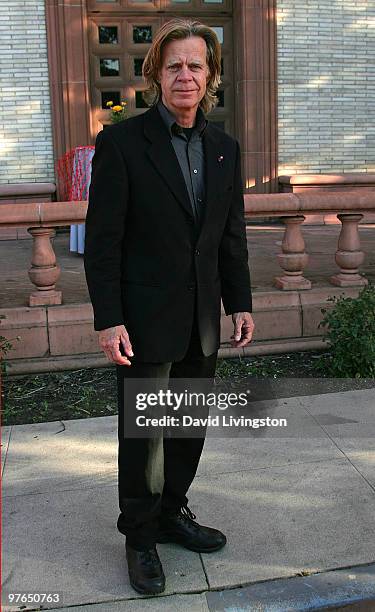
{"x":117,"y":108}
{"x":124,"y":103}
{"x":110,"y":103}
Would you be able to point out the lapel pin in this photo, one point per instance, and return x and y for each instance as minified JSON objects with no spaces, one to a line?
{"x":220,"y":159}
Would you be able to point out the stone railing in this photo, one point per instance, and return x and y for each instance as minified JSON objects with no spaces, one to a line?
{"x":40,"y":219}
{"x":293,"y":208}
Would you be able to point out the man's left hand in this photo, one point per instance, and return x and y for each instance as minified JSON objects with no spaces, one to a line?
{"x":243,"y":328}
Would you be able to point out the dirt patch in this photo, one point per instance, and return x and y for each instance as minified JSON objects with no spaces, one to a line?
{"x":85,"y":393}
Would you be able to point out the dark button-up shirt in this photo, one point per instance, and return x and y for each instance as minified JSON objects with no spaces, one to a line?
{"x":188,"y":146}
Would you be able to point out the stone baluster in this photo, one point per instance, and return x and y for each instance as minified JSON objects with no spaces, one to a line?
{"x":349,"y":255}
{"x":293,"y":258}
{"x":44,"y":271}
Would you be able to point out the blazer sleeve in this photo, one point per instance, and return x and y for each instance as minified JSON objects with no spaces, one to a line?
{"x":105,"y":226}
{"x":233,"y":254}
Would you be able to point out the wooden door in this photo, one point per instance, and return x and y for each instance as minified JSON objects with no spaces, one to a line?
{"x":120,"y":33}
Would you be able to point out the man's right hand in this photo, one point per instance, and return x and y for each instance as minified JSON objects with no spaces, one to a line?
{"x":109,"y":341}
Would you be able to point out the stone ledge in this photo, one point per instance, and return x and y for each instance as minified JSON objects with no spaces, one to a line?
{"x":60,"y":337}
{"x":99,"y":360}
{"x":31,"y":325}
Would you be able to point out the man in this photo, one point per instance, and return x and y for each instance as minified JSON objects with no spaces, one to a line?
{"x":165,"y":241}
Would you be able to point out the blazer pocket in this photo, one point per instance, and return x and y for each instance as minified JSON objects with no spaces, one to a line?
{"x":225,"y":193}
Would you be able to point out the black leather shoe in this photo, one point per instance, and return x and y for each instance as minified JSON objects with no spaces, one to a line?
{"x":180,"y":528}
{"x":145,"y":570}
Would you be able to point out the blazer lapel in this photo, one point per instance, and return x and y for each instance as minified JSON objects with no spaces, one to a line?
{"x":163,"y":157}
{"x":214,"y":160}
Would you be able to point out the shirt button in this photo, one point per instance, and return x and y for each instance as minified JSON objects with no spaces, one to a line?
{"x":190,"y":287}
{"x":197,"y":252}
{"x":199,"y":199}
{"x":195,"y":171}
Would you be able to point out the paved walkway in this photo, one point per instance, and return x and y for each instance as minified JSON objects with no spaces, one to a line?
{"x":294,"y":509}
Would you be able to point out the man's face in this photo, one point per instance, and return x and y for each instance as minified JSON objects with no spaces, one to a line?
{"x":184,"y":73}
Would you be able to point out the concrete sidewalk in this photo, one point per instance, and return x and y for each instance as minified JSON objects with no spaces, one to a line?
{"x":290,"y":506}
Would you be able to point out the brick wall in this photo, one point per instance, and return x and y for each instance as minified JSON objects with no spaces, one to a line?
{"x":326,"y":72}
{"x":25,"y":113}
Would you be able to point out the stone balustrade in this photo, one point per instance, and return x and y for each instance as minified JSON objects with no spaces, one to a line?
{"x":41,"y":218}
{"x":293,"y":209}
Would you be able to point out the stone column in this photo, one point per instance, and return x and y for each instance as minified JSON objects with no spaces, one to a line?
{"x":255,"y":53}
{"x":44,"y":271}
{"x":293,"y":258}
{"x":69,"y":74}
{"x":349,"y":255}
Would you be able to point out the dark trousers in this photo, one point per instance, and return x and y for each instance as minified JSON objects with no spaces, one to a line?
{"x":154,"y":474}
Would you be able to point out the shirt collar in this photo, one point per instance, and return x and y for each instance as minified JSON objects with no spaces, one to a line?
{"x":173,"y":127}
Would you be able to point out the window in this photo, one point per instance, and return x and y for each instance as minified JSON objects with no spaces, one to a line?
{"x":109,"y":67}
{"x":142,"y":34}
{"x":219,"y":32}
{"x":108,"y":35}
{"x":139,"y":101}
{"x":108,"y":96}
{"x":220,"y":95}
{"x":138,"y":62}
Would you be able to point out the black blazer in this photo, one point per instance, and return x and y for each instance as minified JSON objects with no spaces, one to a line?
{"x":144,"y":256}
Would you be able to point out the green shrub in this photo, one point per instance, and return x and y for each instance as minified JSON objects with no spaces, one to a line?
{"x":350,"y":331}
{"x":5,"y":346}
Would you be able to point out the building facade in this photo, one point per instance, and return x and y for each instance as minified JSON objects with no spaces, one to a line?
{"x":297,"y":86}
